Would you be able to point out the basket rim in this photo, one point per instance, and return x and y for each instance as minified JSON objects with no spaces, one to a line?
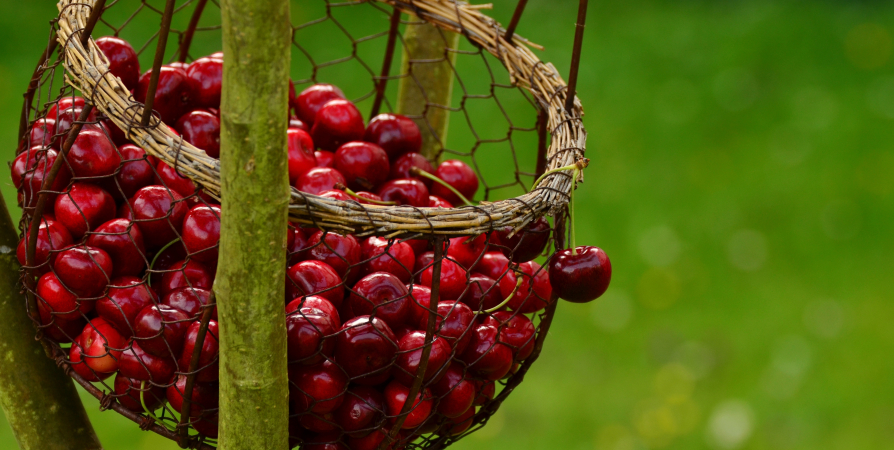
{"x":88,"y":71}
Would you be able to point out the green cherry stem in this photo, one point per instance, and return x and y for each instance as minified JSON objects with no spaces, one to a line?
{"x":152,"y":264}
{"x":571,"y":209}
{"x":353,"y":194}
{"x":581,"y":164}
{"x":148,"y":411}
{"x":518,"y":283}
{"x":422,"y":173}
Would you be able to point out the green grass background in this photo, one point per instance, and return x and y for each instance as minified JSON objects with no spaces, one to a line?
{"x":742,"y":181}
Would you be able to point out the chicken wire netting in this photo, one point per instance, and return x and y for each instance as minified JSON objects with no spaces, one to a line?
{"x":119,"y":276}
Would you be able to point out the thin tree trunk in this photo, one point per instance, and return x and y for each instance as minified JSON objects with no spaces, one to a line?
{"x":40,"y":402}
{"x":250,"y":285}
{"x":429,"y":83}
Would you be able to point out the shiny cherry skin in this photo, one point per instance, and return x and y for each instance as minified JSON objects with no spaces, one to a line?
{"x":123,"y":61}
{"x":64,"y":103}
{"x":123,"y":241}
{"x":525,"y":245}
{"x":459,"y":425}
{"x":371,"y":441}
{"x":55,"y":298}
{"x":190,"y":300}
{"x":396,"y":395}
{"x":206,"y":79}
{"x":83,"y":208}
{"x":312,"y":99}
{"x":67,"y":118}
{"x":127,"y":296}
{"x":208,"y":367}
{"x":160,"y":330}
{"x":159,"y":213}
{"x":51,"y":237}
{"x":295,"y":122}
{"x":382,"y":255}
{"x":420,"y":301}
{"x":33,"y":179}
{"x":424,"y":260}
{"x":319,"y":179}
{"x":395,"y":133}
{"x":467,"y":251}
{"x":173,"y":95}
{"x":482,"y":294}
{"x":459,"y":175}
{"x":362,"y":407}
{"x":336,"y":195}
{"x":135,"y":172}
{"x":93,"y":154}
{"x":365,"y":348}
{"x":324,"y":158}
{"x":534,"y":292}
{"x":409,"y":357}
{"x":455,"y":324}
{"x":455,"y":392}
{"x":364,"y":165}
{"x":580,"y":277}
{"x":137,"y":364}
{"x":185,"y":273}
{"x":59,"y":330}
{"x":28,"y":161}
{"x":363,"y":196}
{"x":201,"y":129}
{"x":43,"y":133}
{"x":319,"y":388}
{"x":452,"y":281}
{"x":516,"y":330}
{"x":307,"y":329}
{"x":84,"y":270}
{"x":493,"y":265}
{"x":485,"y":390}
{"x":381,"y":295}
{"x":165,"y":259}
{"x":301,"y":153}
{"x":314,"y":278}
{"x":101,"y":346}
{"x":316,"y":302}
{"x":405,"y":191}
{"x":297,"y":243}
{"x":205,"y":396}
{"x":201,"y":233}
{"x":174,"y":180}
{"x":130,"y":391}
{"x":337,"y":123}
{"x":486,"y":356}
{"x":342,"y":253}
{"x":79,"y":363}
{"x":438,"y":202}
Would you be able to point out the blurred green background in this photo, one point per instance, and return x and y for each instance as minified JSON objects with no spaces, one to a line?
{"x":742,"y":181}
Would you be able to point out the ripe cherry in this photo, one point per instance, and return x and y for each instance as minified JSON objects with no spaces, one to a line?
{"x":137,"y":364}
{"x":486,"y":356}
{"x":459,"y":425}
{"x":307,"y":329}
{"x":205,"y":80}
{"x":129,"y":391}
{"x":66,"y":119}
{"x":201,"y":129}
{"x":319,"y":388}
{"x":28,"y":161}
{"x":159,"y":213}
{"x":64,"y":103}
{"x":123,"y":61}
{"x":174,"y":180}
{"x":135,"y":172}
{"x":318,"y":423}
{"x":409,"y":357}
{"x":455,"y":324}
{"x":485,"y":390}
{"x":582,"y":275}
{"x":361,"y":408}
{"x":43,"y":134}
{"x":79,"y":365}
{"x":516,"y":330}
{"x":101,"y":346}
{"x":205,"y":396}
{"x":396,"y":134}
{"x":186,"y":274}
{"x":33,"y":178}
{"x":527,"y":298}
{"x":296,"y":244}
{"x":84,"y":270}
{"x":201,"y":233}
{"x":316,"y":302}
{"x":319,"y":179}
{"x":454,"y":391}
{"x":208,"y":366}
{"x":336,"y":123}
{"x":381,"y":295}
{"x":160,"y":330}
{"x":405,"y":191}
{"x":459,"y":175}
{"x":391,"y":256}
{"x":438,"y":202}
{"x":466,"y":250}
{"x":452,"y":281}
{"x":301,"y":153}
{"x":493,"y":265}
{"x":312,"y":99}
{"x":337,"y":195}
{"x":83,"y":208}
{"x":59,"y":330}
{"x":525,"y":245}
{"x":371,"y":441}
{"x":364,"y":165}
{"x":173,"y":95}
{"x":127,"y":296}
{"x":56,"y":299}
{"x":123,"y":241}
{"x":295,"y":122}
{"x":365,"y":348}
{"x":396,"y":395}
{"x":482,"y":294}
{"x":51,"y":238}
{"x":190,"y":300}
{"x":420,"y":299}
{"x":324,"y":158}
{"x":314,"y":278}
{"x":342,"y":253}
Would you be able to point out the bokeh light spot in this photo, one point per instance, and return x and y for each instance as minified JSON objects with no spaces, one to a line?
{"x":868,"y":46}
{"x":824,"y":318}
{"x":658,"y":288}
{"x":747,"y":250}
{"x":730,"y":425}
{"x":674,"y":383}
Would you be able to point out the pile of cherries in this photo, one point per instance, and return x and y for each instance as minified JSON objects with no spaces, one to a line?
{"x":126,"y":257}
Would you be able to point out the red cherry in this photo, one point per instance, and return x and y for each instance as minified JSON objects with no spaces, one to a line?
{"x":84,"y":270}
{"x":580,"y":277}
{"x":493,"y":265}
{"x":59,"y":330}
{"x":205,"y":80}
{"x":137,"y":364}
{"x":133,"y":394}
{"x":118,"y":136}
{"x":319,"y":179}
{"x":56,"y":299}
{"x":342,"y":253}
{"x":324,"y":158}
{"x":205,"y":396}
{"x":452,"y":281}
{"x":316,"y":302}
{"x":312,"y":99}
{"x":362,"y":407}
{"x":458,"y":425}
{"x":297,"y":243}
{"x":381,"y":295}
{"x":101,"y":346}
{"x":164,"y":260}
{"x":336,"y":123}
{"x":525,"y":245}
{"x":409,"y":357}
{"x":337,"y":195}
{"x":174,"y":181}
{"x":93,"y":154}
{"x":301,"y":153}
{"x":190,"y":300}
{"x":438,"y":202}
{"x":454,"y":391}
{"x":201,"y":129}
{"x":173,"y":95}
{"x":467,"y":251}
{"x":186,"y":274}
{"x":306,"y":330}
{"x":43,"y":134}
{"x":365,"y":348}
{"x":396,"y":395}
{"x":28,"y":161}
{"x":363,"y":165}
{"x":486,"y":356}
{"x":459,"y":175}
{"x":135,"y":172}
{"x":527,"y":298}
{"x":391,"y":256}
{"x":68,"y":116}
{"x":34,"y":175}
{"x":123,"y":241}
{"x":405,"y":191}
{"x":371,"y":441}
{"x":207,"y":424}
{"x":64,"y":103}
{"x":207,"y":369}
{"x":159,"y":213}
{"x":419,"y":245}
{"x":123,"y":61}
{"x":160,"y":329}
{"x":314,"y":278}
{"x":361,"y":195}
{"x":319,"y":388}
{"x":83,"y":208}
{"x":516,"y":331}
{"x":51,"y":238}
{"x":79,"y":365}
{"x":127,"y":296}
{"x":483,"y":293}
{"x":201,"y":233}
{"x":455,"y":324}
{"x":295,"y":122}
{"x":395,"y":133}
{"x":420,"y":301}
{"x":318,"y":423}
{"x":485,"y":390}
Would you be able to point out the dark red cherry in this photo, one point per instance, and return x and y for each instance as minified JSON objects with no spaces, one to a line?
{"x":160,"y":330}
{"x":159,"y":213}
{"x":174,"y":180}
{"x":190,"y":300}
{"x":306,"y":330}
{"x":318,"y":423}
{"x":409,"y":357}
{"x":454,"y":391}
{"x":342,"y":253}
{"x":336,"y":123}
{"x":455,"y":324}
{"x":363,"y":196}
{"x":405,"y":191}
{"x":101,"y":346}
{"x":319,"y":388}
{"x":381,"y":295}
{"x":534,"y":292}
{"x":135,"y":172}
{"x":438,"y":202}
{"x":467,"y":251}
{"x":493,"y":265}
{"x":516,"y":331}
{"x":43,"y":134}
{"x":56,"y":299}
{"x":68,"y":116}
{"x":79,"y":364}
{"x":136,"y":363}
{"x":207,"y":368}
{"x":314,"y":278}
{"x":486,"y":356}
{"x":485,"y":390}
{"x":316,"y":302}
{"x":365,"y":348}
{"x":186,"y":274}
{"x":123,"y":241}
{"x":165,"y":259}
{"x":93,"y":155}
{"x":127,"y":296}
{"x":581,"y":276}
{"x":51,"y":237}
{"x":459,"y":425}
{"x":64,"y":103}
{"x":483,"y":293}
{"x":420,"y":301}
{"x":123,"y":61}
{"x":371,"y":441}
{"x":324,"y":158}
{"x":424,"y":260}
{"x":391,"y":256}
{"x":33,"y":178}
{"x":83,"y":208}
{"x":336,"y":195}
{"x":84,"y":270}
{"x":173,"y":95}
{"x":452,"y":281}
{"x":201,"y":233}
{"x":118,"y":136}
{"x":319,"y":179}
{"x":396,"y":395}
{"x":395,"y":133}
{"x":362,"y":407}
{"x":205,"y":79}
{"x":312,"y":99}
{"x":205,"y":396}
{"x":459,"y":175}
{"x":28,"y":161}
{"x":363,"y":165}
{"x":134,"y":394}
{"x":525,"y":245}
{"x":201,"y":129}
{"x":297,"y":243}
{"x":301,"y":153}
{"x":322,"y":441}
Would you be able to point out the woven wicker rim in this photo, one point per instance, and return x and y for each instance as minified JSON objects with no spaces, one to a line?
{"x":87,"y":71}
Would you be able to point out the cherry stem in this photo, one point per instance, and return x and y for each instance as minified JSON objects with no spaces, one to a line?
{"x":571,"y":210}
{"x":148,"y":411}
{"x":422,"y":173}
{"x":353,"y":194}
{"x":581,"y":164}
{"x":152,"y":264}
{"x":518,"y":283}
